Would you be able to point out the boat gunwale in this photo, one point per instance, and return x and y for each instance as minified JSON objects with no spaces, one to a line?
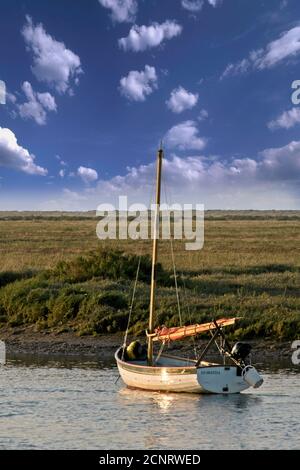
{"x":167,"y":368}
{"x":152,"y":368}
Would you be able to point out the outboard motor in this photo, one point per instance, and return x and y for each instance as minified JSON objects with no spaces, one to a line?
{"x":240,"y":351}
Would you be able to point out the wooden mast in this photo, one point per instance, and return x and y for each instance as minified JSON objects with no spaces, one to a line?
{"x":160,"y":155}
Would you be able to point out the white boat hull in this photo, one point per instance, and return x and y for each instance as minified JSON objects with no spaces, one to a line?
{"x":173,"y":374}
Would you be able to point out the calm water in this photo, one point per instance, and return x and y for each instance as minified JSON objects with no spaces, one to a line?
{"x":78,"y":405}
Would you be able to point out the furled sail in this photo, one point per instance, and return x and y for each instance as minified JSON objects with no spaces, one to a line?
{"x":165,"y":334}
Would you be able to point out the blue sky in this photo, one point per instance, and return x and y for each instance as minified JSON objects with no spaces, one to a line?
{"x":93,"y":86}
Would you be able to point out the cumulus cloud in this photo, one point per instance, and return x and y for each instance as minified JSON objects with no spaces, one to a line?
{"x":266,"y":181}
{"x":88,"y":175}
{"x":11,"y":98}
{"x":215,"y":3}
{"x":202,"y":115}
{"x":53,"y":63}
{"x":136,"y":86}
{"x":285,"y":47}
{"x":286,"y":120}
{"x":195,"y":6}
{"x":12,"y":155}
{"x":62,"y":173}
{"x":37,"y":105}
{"x":239,"y":68}
{"x":192,"y":5}
{"x":184,"y":136}
{"x":2,"y":92}
{"x":281,"y":164}
{"x":143,"y":37}
{"x":122,"y":11}
{"x":181,"y":100}
{"x":61,"y":161}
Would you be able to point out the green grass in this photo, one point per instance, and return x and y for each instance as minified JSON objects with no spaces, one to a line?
{"x":53,"y":275}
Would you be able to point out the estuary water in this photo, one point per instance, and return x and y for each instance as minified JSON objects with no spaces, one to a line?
{"x":77,"y":404}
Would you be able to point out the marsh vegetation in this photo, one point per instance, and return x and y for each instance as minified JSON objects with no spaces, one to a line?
{"x":55,"y":274}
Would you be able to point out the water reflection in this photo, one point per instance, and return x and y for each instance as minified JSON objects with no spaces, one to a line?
{"x":170,"y":402}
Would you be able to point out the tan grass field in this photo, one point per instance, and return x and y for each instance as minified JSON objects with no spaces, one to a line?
{"x":250,"y":263}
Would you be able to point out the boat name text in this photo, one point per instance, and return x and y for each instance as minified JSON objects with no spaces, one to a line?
{"x":216,"y":372}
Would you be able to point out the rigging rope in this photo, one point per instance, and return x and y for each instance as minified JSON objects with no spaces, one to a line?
{"x":175,"y":278}
{"x":176,"y":284}
{"x":190,"y":316}
{"x":173,"y":262}
{"x":131,"y":306}
{"x":135,"y":285}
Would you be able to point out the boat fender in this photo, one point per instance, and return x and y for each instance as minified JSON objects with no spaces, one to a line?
{"x":252,"y":377}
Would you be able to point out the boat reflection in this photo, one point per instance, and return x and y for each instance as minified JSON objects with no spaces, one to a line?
{"x":178,"y":402}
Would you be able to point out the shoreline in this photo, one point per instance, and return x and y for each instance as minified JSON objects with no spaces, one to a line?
{"x":29,"y":342}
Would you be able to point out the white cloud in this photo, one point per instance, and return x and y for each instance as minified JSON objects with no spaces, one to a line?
{"x":239,"y":68}
{"x":136,"y":86}
{"x":47,"y":101}
{"x":283,"y":163}
{"x":37,"y":105}
{"x":88,"y":175}
{"x":196,"y":5}
{"x":192,"y":5}
{"x":62,"y":173}
{"x":121,"y":10}
{"x":3,"y":92}
{"x":143,"y":37}
{"x":181,"y":100}
{"x":286,"y":120}
{"x":268,"y":181}
{"x":12,"y":155}
{"x":285,"y":47}
{"x":202,"y":115}
{"x":11,"y":98}
{"x":53,"y":63}
{"x":185,"y":136}
{"x":61,"y":161}
{"x":283,"y":4}
{"x":288,"y":45}
{"x":215,"y":3}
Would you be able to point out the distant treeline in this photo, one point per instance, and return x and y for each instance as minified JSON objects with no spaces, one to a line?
{"x":209,"y":215}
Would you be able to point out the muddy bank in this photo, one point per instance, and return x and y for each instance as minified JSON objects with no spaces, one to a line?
{"x":28,"y":341}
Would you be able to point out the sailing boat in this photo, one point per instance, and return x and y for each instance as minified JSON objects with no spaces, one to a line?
{"x":169,"y":373}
